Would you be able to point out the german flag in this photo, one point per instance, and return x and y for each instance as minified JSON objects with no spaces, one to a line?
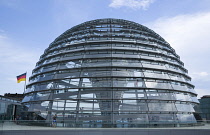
{"x":21,"y":78}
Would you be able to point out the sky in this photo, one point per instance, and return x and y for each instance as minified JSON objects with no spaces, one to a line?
{"x":27,"y":27}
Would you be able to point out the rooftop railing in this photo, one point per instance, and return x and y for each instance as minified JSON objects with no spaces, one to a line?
{"x":43,"y":124}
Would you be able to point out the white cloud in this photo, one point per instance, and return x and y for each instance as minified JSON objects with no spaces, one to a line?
{"x":184,"y":32}
{"x":134,"y":4}
{"x":202,"y":92}
{"x":2,"y":34}
{"x":189,"y":34}
{"x":11,"y":53}
{"x":15,"y":60}
{"x":12,"y":79}
{"x":202,"y":74}
{"x":2,"y":37}
{"x":69,"y":14}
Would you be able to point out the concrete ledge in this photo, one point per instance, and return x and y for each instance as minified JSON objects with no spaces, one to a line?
{"x":109,"y":132}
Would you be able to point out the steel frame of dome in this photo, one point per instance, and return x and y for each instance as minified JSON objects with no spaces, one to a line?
{"x":111,"y":72}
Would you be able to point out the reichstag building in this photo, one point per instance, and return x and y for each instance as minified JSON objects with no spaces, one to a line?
{"x":111,"y":73}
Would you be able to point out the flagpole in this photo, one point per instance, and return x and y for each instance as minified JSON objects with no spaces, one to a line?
{"x":25,"y":84}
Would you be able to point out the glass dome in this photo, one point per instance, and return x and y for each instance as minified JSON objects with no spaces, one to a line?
{"x":111,"y":73}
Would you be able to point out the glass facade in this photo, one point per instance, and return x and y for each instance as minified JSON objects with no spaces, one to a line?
{"x":204,"y":107}
{"x":9,"y":108}
{"x":111,"y":71}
